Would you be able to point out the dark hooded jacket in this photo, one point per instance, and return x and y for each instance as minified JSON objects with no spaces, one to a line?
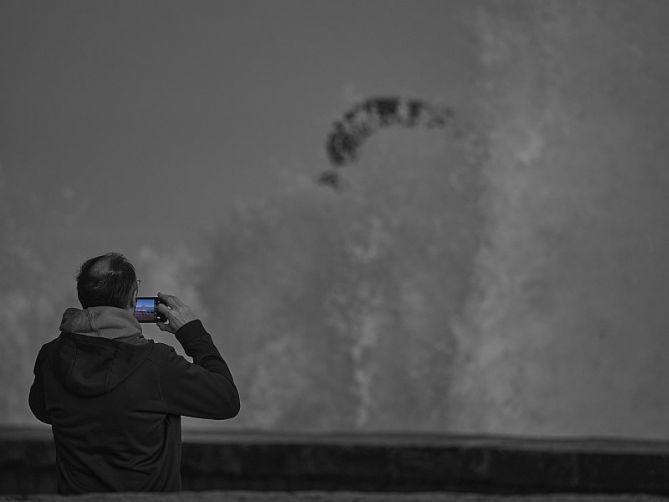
{"x":114,"y":400}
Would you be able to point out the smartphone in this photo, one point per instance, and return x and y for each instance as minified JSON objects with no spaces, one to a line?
{"x":146,"y":309}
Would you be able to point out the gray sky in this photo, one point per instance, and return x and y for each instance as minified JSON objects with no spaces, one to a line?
{"x":137,"y":123}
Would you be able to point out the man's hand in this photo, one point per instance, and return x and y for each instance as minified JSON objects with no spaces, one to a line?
{"x":176,"y":311}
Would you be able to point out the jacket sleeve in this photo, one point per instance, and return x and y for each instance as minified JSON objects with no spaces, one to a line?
{"x":204,"y":388}
{"x":36,"y":397}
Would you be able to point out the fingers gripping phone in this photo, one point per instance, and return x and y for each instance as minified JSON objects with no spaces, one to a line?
{"x":146,"y":309}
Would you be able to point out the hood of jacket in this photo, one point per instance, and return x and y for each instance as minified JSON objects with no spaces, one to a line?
{"x":99,"y":347}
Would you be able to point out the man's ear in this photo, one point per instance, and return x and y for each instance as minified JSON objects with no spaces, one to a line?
{"x":133,"y":302}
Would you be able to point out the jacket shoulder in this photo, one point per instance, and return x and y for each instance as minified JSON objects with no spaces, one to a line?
{"x":49,"y":345}
{"x":45,"y":351}
{"x":162,"y":352}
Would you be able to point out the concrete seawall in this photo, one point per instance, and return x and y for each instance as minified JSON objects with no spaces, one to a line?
{"x":377,"y":463}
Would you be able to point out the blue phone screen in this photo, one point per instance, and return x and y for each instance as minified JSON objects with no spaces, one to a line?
{"x":145,"y":309}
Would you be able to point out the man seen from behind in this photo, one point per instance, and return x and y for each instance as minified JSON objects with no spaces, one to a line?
{"x":113,"y":398}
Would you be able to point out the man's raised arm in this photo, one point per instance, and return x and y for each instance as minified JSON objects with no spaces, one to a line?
{"x":204,"y":388}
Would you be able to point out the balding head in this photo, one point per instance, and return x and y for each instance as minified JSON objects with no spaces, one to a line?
{"x":106,"y":280}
